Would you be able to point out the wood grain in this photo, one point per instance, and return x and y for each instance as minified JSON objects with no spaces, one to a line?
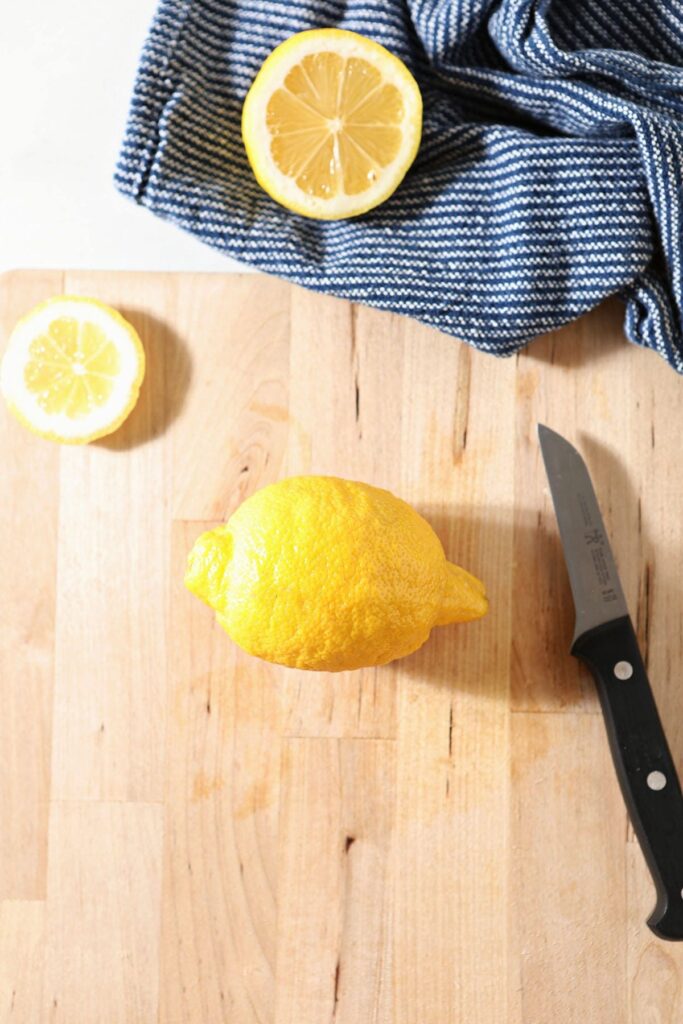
{"x":334,"y":959}
{"x":218,"y":926}
{"x":110,"y":671}
{"x":453,"y":749}
{"x":655,"y":484}
{"x":189,"y":834}
{"x":102,"y":913}
{"x":22,"y":953}
{"x":29,"y":493}
{"x":233,"y":426}
{"x":654,"y":969}
{"x":568,"y":876}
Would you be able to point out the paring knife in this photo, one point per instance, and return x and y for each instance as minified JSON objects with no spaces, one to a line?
{"x":604,"y":638}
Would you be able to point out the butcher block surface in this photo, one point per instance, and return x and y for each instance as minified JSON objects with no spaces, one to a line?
{"x":192,"y":836}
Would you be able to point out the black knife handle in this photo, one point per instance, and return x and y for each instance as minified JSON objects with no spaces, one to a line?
{"x":639,"y":749}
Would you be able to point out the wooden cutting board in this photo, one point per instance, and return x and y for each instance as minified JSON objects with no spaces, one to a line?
{"x":191,"y":835}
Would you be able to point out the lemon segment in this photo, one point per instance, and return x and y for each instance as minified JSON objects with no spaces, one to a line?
{"x":72,"y":369}
{"x":331,"y":124}
{"x":328,"y":574}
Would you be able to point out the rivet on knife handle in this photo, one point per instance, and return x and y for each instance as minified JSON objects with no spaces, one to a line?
{"x":604,"y":638}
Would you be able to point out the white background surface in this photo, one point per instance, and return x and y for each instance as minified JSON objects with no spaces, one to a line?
{"x":66,"y":75}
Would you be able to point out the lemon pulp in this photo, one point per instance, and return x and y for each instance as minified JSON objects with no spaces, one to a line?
{"x":334,"y":124}
{"x":72,"y":369}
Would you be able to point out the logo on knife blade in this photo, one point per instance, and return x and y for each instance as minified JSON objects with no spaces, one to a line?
{"x":595,"y":536}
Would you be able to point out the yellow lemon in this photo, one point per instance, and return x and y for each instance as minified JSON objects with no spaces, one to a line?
{"x":321,"y":573}
{"x":72,"y":369}
{"x":331,"y":124}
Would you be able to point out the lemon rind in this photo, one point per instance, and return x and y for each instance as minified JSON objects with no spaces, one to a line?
{"x":256,"y":137}
{"x":59,"y":427}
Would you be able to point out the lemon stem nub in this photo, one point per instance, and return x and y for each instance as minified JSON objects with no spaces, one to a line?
{"x":464,"y":597}
{"x":207,"y":566}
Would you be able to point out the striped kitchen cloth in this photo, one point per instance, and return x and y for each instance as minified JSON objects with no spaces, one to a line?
{"x":550,"y":173}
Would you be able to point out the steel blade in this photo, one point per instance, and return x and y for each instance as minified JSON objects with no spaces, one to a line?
{"x":596,"y":588}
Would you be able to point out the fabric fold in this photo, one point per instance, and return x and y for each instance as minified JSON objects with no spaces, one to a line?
{"x":550,"y":173}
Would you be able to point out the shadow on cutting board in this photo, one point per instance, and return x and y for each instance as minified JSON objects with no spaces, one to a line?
{"x":654,"y":592}
{"x":585,"y":341}
{"x":520,"y":651}
{"x":167,"y":377}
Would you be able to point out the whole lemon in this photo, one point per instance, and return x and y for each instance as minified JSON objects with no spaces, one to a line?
{"x":321,"y":573}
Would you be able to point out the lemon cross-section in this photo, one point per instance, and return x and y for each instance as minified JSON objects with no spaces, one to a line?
{"x":331,"y":123}
{"x":72,"y":370}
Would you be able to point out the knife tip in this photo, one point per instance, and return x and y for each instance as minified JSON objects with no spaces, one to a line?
{"x":555,"y":446}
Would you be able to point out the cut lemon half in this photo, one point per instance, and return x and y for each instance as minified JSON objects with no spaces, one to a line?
{"x":72,"y":369}
{"x":331,"y":124}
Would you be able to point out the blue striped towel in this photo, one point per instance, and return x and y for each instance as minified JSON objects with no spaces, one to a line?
{"x":550,"y":173}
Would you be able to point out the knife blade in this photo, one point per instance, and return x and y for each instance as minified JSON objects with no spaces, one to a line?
{"x":604,"y":638}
